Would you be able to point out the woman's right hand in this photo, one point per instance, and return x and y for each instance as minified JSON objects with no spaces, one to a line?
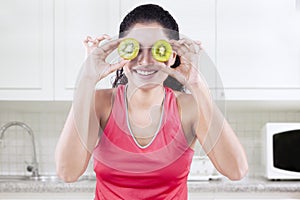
{"x":96,"y":55}
{"x":90,"y":44}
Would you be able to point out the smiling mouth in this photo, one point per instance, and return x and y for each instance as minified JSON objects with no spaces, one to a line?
{"x":145,"y":73}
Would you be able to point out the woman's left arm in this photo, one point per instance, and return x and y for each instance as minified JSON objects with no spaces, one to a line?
{"x":209,"y":125}
{"x":228,"y":155}
{"x":216,"y":136}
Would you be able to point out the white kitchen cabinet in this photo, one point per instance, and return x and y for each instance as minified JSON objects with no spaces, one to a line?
{"x":258,"y":49}
{"x":74,"y":20}
{"x":255,"y":44}
{"x":26,"y":50}
{"x":41,"y":48}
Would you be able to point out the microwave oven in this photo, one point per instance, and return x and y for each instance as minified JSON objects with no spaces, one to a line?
{"x":281,"y":150}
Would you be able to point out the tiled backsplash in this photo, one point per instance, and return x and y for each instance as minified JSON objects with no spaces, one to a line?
{"x":46,"y":126}
{"x":47,"y":120}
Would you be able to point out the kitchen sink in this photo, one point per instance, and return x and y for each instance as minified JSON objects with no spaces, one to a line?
{"x":43,"y":178}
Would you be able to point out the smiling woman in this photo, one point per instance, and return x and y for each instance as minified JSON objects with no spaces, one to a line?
{"x":142,"y":132}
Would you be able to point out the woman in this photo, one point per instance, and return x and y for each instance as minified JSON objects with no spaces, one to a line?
{"x":148,"y":129}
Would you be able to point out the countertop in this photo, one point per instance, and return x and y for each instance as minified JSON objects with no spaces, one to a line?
{"x":222,"y":185}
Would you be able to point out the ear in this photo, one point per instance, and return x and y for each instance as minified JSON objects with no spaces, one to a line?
{"x":172,"y":59}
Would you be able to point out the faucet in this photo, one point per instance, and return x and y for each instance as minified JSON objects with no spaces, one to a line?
{"x":34,"y":168}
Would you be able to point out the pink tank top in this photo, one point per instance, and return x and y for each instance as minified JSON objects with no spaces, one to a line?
{"x":126,"y":170}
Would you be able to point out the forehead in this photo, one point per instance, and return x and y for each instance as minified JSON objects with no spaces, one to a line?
{"x":147,"y":34}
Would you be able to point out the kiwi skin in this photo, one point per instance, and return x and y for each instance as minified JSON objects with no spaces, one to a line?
{"x":161,"y":50}
{"x":129,"y":48}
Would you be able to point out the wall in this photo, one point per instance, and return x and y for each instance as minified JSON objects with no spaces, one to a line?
{"x":248,"y":123}
{"x":47,"y":119}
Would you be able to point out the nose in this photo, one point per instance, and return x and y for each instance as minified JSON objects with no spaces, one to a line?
{"x":145,"y":57}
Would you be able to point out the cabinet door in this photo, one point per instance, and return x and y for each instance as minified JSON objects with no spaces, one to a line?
{"x":258,"y":49}
{"x":74,"y":20}
{"x":26,"y":50}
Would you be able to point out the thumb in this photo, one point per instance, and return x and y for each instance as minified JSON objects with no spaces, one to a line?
{"x":113,"y":67}
{"x":119,"y":65}
{"x":175,"y":74}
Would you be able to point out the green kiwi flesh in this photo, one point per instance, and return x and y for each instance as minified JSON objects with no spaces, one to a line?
{"x":128,"y":48}
{"x":161,"y":51}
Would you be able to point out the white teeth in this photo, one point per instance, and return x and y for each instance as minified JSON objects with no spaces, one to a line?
{"x":145,"y":73}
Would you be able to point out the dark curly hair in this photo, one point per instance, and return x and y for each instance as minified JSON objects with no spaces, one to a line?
{"x":149,"y":13}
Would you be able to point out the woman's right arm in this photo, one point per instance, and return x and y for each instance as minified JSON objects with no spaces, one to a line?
{"x":71,"y":157}
{"x":80,"y":132}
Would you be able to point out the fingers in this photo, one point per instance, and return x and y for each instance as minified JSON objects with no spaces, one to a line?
{"x":185,"y":45}
{"x":87,"y":40}
{"x":90,"y":42}
{"x":188,"y":44}
{"x":188,"y":51}
{"x":179,"y":48}
{"x":199,"y":44}
{"x":102,"y":37}
{"x":92,"y":46}
{"x":104,"y":50}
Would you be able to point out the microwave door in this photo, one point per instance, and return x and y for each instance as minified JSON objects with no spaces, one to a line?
{"x":286,"y":150}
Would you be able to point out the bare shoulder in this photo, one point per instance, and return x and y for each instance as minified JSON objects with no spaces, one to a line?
{"x":185,"y":101}
{"x":104,"y":93}
{"x":103,"y":103}
{"x":187,"y":108}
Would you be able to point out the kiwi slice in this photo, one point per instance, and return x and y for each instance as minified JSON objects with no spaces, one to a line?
{"x":161,"y":50}
{"x":129,"y":48}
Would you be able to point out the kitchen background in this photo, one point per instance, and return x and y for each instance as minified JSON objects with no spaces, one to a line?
{"x":47,"y":120}
{"x":254,"y":43}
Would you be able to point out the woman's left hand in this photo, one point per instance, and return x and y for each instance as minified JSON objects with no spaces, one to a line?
{"x":189,"y":53}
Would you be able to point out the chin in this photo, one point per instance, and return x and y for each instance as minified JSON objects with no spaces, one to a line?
{"x":147,"y":85}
